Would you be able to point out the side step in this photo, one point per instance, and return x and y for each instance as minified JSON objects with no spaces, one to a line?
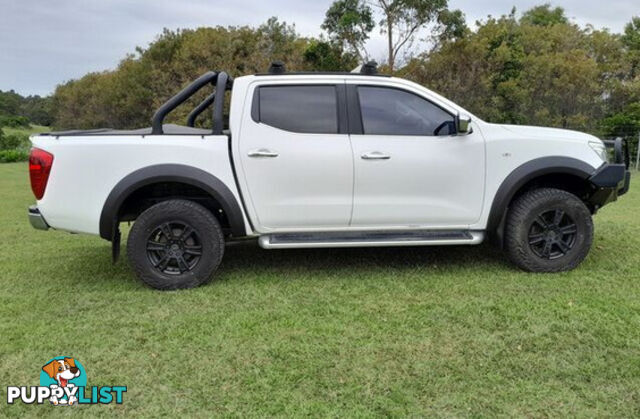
{"x":370,"y":239}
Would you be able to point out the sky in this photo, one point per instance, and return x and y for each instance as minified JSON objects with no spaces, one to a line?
{"x":47,"y":42}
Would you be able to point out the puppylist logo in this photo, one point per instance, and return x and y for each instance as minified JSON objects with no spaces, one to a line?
{"x":63,"y":382}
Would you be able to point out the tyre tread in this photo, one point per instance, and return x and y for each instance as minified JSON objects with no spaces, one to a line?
{"x":517,"y":249}
{"x":137,"y":233}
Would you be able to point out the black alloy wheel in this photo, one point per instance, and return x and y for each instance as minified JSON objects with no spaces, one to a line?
{"x":552,"y":234}
{"x":174,"y":248}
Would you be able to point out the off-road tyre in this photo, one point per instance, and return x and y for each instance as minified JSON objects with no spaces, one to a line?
{"x":175,"y":244}
{"x":548,"y":230}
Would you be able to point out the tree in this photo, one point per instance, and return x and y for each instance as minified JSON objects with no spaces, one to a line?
{"x":631,"y":36}
{"x":128,"y":96}
{"x":631,"y":40}
{"x":37,"y":109}
{"x":17,"y":110}
{"x":401,"y":20}
{"x":512,"y":71}
{"x":328,"y":56}
{"x":349,"y":23}
{"x":544,"y":15}
{"x":10,"y":102}
{"x":452,"y":25}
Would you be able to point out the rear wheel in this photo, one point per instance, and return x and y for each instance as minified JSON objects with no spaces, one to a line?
{"x":548,"y":230}
{"x":175,"y":244}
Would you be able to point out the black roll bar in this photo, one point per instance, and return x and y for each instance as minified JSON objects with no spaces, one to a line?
{"x":221,"y":81}
{"x":218,"y":105}
{"x":191,"y":120}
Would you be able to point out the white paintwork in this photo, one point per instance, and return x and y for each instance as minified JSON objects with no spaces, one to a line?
{"x":317,"y":182}
{"x":86,"y":169}
{"x":509,"y":147}
{"x":308,"y":184}
{"x":426,"y":182}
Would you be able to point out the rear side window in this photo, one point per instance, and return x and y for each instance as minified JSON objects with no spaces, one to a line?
{"x":389,"y":111}
{"x":304,"y":109}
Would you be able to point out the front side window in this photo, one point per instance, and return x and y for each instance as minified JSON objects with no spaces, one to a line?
{"x":389,"y":111}
{"x":304,"y":109}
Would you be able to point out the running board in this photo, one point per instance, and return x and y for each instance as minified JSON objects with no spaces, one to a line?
{"x":370,"y":239}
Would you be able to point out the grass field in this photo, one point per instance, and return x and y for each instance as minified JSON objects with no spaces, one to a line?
{"x":33,"y":129}
{"x":389,"y":332}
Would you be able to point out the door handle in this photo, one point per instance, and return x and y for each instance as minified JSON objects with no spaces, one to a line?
{"x":262,"y":152}
{"x":375,"y":155}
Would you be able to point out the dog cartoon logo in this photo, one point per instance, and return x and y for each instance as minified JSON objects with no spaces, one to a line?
{"x":64,"y":373}
{"x":63,"y":382}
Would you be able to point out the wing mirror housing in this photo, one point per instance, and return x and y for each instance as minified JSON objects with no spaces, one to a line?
{"x":463,"y":124}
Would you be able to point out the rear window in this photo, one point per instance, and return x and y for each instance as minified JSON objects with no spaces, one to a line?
{"x":304,"y":109}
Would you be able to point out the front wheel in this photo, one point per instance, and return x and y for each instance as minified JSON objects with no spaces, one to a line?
{"x":175,"y":244}
{"x":548,"y":230}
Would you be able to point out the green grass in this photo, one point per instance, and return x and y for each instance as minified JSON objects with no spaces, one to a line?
{"x":360,"y":332}
{"x":33,"y":129}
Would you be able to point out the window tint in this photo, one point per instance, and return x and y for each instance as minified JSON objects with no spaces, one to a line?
{"x":388,"y":111}
{"x":307,"y":109}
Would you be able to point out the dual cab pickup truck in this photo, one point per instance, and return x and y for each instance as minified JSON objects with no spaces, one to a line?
{"x":323,"y":160}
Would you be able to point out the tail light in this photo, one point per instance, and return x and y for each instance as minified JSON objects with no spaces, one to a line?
{"x":39,"y":168}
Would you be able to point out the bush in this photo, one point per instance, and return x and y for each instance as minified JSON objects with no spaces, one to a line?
{"x":14,"y":147}
{"x":14,"y":121}
{"x":10,"y":156}
{"x":17,"y":141}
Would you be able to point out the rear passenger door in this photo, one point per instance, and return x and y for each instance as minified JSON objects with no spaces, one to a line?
{"x":296,"y":157}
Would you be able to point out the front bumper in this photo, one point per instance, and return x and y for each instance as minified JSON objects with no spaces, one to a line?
{"x":36,"y":219}
{"x":609,"y":182}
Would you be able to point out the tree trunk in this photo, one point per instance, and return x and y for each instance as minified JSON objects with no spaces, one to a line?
{"x":390,"y":43}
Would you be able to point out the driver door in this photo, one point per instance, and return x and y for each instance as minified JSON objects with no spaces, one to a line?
{"x":411,"y":169}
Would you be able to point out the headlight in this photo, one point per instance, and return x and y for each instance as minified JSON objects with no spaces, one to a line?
{"x":600,"y":149}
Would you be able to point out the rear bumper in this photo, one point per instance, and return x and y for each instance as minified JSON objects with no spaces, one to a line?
{"x":609,"y":182}
{"x":36,"y":219}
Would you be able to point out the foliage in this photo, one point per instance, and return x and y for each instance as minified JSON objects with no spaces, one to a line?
{"x":10,"y":103}
{"x":451,"y":26}
{"x":11,"y":156}
{"x":14,"y":121}
{"x":16,"y":110}
{"x":402,"y":19}
{"x":537,"y":70}
{"x":14,"y":147}
{"x":631,"y":40}
{"x":349,"y":23}
{"x":625,"y":124}
{"x":14,"y":141}
{"x":128,"y":96}
{"x":544,"y":15}
{"x":32,"y":129}
{"x":38,"y":109}
{"x":328,"y":56}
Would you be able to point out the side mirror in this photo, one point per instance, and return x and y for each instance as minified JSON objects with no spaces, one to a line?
{"x":463,"y":124}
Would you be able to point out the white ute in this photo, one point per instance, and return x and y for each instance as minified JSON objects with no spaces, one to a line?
{"x":323,"y":160}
